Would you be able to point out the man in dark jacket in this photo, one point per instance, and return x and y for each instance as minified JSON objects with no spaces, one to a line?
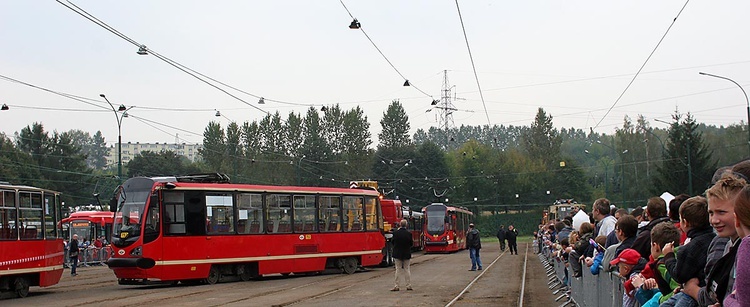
{"x":474,"y":243}
{"x":501,"y":237}
{"x":656,"y":209}
{"x":73,"y":254}
{"x":511,"y":235}
{"x":402,"y":242}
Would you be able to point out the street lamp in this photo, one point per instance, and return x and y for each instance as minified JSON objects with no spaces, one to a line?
{"x":395,"y":182}
{"x":747,"y":101}
{"x":118,"y":117}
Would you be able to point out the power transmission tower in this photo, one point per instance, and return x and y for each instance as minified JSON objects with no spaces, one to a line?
{"x":445,"y":110}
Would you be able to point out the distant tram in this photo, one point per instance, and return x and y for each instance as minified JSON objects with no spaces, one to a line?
{"x":445,"y":228}
{"x":560,"y":209}
{"x":203,"y":228}
{"x":88,"y":225}
{"x":31,"y":250}
{"x":415,"y":226}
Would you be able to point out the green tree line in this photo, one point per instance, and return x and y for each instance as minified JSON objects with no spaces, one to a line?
{"x":489,"y":169}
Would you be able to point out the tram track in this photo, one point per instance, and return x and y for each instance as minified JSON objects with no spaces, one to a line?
{"x":473,"y":281}
{"x":341,"y":282}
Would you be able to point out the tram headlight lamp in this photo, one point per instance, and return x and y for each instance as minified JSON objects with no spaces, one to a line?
{"x":445,"y":239}
{"x":137,"y":252}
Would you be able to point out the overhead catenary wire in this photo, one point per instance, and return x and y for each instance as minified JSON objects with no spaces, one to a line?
{"x":643,"y":65}
{"x":383,"y":54}
{"x":167,"y":60}
{"x":473,"y":66}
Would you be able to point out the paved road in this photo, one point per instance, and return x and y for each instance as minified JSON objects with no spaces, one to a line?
{"x":437,"y":279}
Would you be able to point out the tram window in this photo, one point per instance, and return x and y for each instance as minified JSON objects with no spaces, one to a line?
{"x":8,"y":230}
{"x":220,"y":214}
{"x":50,"y":219}
{"x":328,"y":210}
{"x":174,"y":213}
{"x":352,"y":213}
{"x":304,"y":213}
{"x":279,"y":213}
{"x":151,"y":230}
{"x":30,"y":216}
{"x":371,"y":213}
{"x":249,"y":213}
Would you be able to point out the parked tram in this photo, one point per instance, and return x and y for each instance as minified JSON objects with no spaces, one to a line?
{"x":203,"y":228}
{"x":31,"y":250}
{"x":415,"y":226}
{"x":90,"y":226}
{"x":445,"y":228}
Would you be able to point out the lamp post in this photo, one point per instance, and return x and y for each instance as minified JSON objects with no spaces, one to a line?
{"x":747,"y":101}
{"x":395,"y":182}
{"x":118,"y":117}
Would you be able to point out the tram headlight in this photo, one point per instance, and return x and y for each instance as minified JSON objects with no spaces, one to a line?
{"x":445,"y":239}
{"x":138,"y":251}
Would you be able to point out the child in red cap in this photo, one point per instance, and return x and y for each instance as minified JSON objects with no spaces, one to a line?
{"x":629,"y":262}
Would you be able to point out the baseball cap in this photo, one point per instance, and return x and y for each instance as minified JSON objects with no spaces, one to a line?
{"x":627,"y":256}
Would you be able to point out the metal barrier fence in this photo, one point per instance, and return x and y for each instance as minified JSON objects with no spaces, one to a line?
{"x":90,"y":256}
{"x":604,"y":289}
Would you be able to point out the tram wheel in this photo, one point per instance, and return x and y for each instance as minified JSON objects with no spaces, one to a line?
{"x":245,"y":273}
{"x":350,"y":265}
{"x":213,"y":275}
{"x":21,"y":286}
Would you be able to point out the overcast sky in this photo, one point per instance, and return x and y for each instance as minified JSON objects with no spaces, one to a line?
{"x":573,"y":58}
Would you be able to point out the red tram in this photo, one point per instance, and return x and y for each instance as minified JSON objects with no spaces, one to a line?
{"x":445,"y":228}
{"x":203,"y":228}
{"x":89,"y":225}
{"x":31,"y":250}
{"x":415,"y":226}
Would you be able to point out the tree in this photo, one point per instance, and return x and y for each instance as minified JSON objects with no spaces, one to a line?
{"x":164,"y":163}
{"x":542,"y":141}
{"x":314,"y":150}
{"x":395,"y":124}
{"x":214,"y":146}
{"x":233,"y":148}
{"x":333,"y":128}
{"x":15,"y":165}
{"x":356,"y":138}
{"x":687,"y":166}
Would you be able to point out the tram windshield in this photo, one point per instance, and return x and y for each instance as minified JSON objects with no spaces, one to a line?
{"x":435,"y":219}
{"x":131,"y":206}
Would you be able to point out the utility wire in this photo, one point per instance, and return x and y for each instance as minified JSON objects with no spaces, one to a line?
{"x":169,"y":61}
{"x":642,"y":66}
{"x":473,"y":67}
{"x":382,"y":54}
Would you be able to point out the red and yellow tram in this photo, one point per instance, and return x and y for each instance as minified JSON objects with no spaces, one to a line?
{"x":88,"y":225}
{"x":445,"y":228}
{"x":31,"y":250}
{"x":201,"y":227}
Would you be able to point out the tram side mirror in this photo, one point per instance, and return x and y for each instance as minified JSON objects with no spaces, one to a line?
{"x":113,"y":204}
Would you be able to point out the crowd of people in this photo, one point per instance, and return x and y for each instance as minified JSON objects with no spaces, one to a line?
{"x":686,"y":252}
